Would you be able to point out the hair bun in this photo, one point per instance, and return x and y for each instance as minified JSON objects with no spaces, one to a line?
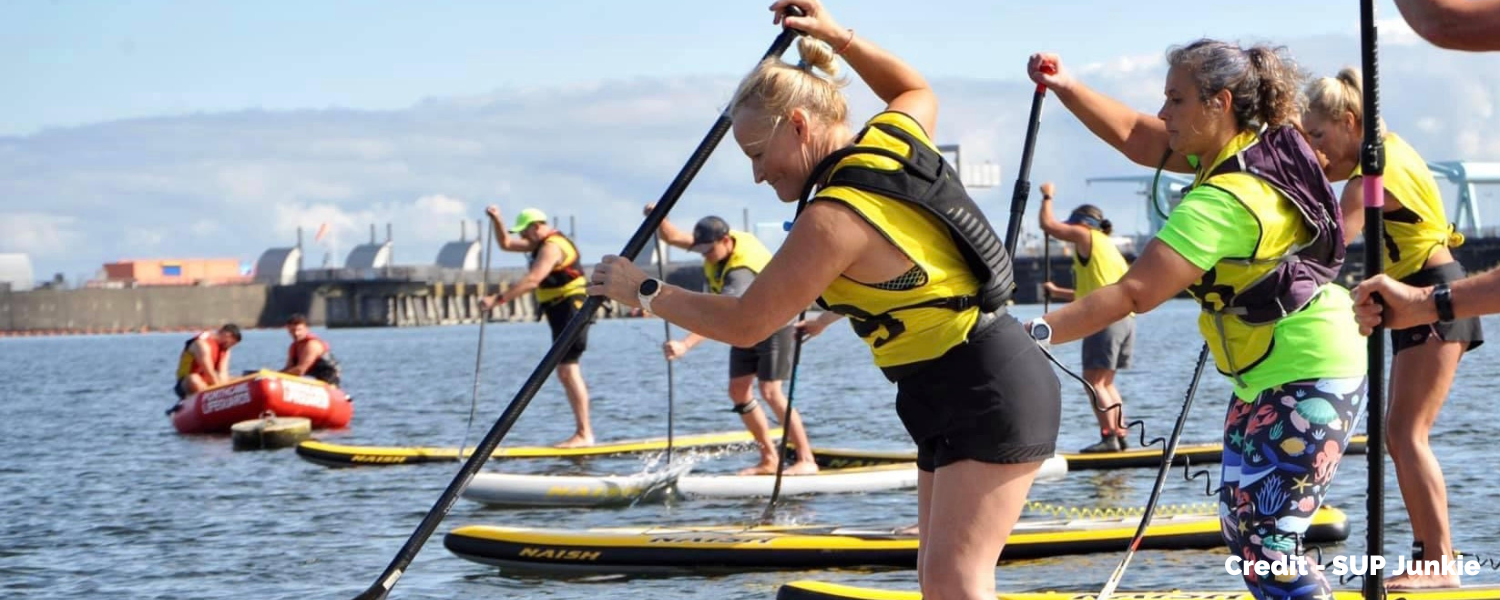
{"x":818,"y":55}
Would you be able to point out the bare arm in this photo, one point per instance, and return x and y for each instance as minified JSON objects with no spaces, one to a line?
{"x":513,"y":243}
{"x":1352,"y":204}
{"x":1078,"y":235}
{"x":224,"y":368}
{"x":309,"y":355}
{"x":1140,"y":137}
{"x":546,"y":259}
{"x":1402,"y":306}
{"x":673,"y":236}
{"x":211,"y":375}
{"x":1057,"y":292}
{"x":1472,"y":25}
{"x":1158,"y":275}
{"x":896,"y":83}
{"x":827,"y":238}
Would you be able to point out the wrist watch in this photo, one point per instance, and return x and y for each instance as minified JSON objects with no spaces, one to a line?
{"x":1041,"y":331}
{"x":1442,"y":296}
{"x":647,"y":291}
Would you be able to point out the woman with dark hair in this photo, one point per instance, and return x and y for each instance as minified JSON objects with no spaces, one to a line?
{"x":1257,"y":242}
{"x":1096,"y":263}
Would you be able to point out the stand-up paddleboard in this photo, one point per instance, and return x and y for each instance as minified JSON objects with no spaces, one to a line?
{"x":338,"y":455}
{"x":1199,"y":454}
{"x":818,"y":590}
{"x":729,"y":549}
{"x":506,"y":489}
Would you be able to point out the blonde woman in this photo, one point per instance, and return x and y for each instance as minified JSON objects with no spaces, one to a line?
{"x":1417,"y":238}
{"x":973,"y":391}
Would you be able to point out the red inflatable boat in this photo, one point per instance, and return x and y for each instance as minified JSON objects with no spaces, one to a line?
{"x":215,"y":409}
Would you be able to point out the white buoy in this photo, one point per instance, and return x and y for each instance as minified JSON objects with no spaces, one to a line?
{"x":270,"y":432}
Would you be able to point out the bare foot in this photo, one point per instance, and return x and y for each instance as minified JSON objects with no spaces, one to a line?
{"x":577,"y":441}
{"x":764,"y":468}
{"x":910,"y":530}
{"x":802,"y":468}
{"x":1421,"y":582}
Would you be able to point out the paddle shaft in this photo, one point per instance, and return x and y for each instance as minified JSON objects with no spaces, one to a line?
{"x":786,"y":423}
{"x":1372,"y":166}
{"x":661,"y":273}
{"x":1161,"y":479}
{"x":478,"y":353}
{"x":554,"y":356}
{"x":1023,"y":181}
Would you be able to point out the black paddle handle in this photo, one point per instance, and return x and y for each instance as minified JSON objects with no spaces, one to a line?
{"x":1372,"y":166}
{"x":1023,"y":176}
{"x":554,"y":356}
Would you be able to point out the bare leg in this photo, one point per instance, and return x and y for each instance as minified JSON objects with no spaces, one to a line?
{"x":755,"y":422}
{"x":1103,"y":381}
{"x":1420,"y":380}
{"x":571,"y":378}
{"x":805,"y":465}
{"x":971,"y":509}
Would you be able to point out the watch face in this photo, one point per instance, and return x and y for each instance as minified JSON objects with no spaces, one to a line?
{"x":649,"y":287}
{"x":1041,"y":331}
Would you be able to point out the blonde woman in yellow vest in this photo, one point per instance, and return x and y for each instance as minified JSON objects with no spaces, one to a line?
{"x":1096,"y":263}
{"x":731,"y":260}
{"x":1257,"y":241}
{"x":1417,"y":238}
{"x":558,"y":281}
{"x":973,"y":391}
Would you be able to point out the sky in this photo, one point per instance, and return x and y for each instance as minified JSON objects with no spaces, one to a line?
{"x":178,"y":129}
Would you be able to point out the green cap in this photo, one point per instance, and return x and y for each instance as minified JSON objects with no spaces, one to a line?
{"x":527,"y":217}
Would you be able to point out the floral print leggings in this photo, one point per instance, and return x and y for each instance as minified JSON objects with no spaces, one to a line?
{"x":1280,"y":453}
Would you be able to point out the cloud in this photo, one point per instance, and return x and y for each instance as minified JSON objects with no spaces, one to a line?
{"x":237,"y":183}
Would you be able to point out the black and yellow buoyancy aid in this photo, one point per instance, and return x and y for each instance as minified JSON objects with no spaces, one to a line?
{"x":1299,"y":249}
{"x":976,"y":274}
{"x":749,"y":254}
{"x":566,"y":279}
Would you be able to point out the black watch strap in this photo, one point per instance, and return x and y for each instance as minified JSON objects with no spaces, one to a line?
{"x":1442,"y":296}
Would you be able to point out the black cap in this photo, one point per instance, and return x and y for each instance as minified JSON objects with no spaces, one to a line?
{"x":707,"y":231}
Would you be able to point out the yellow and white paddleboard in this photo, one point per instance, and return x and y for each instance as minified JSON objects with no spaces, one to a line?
{"x":338,"y":455}
{"x":1199,"y":454}
{"x":818,"y":590}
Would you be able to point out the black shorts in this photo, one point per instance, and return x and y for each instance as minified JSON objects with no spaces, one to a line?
{"x":993,"y":399}
{"x":770,"y":360}
{"x":558,"y":314}
{"x":181,"y":388}
{"x":1460,"y":330}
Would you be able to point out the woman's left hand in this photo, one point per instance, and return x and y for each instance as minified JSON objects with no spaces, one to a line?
{"x":617,"y":279}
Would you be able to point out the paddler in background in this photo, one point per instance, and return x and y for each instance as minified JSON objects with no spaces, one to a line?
{"x":731,"y":260}
{"x":204,"y":362}
{"x":309,"y":355}
{"x":1096,"y":263}
{"x":559,"y":284}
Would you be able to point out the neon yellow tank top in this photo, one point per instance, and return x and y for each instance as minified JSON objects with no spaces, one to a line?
{"x":749,"y":253}
{"x":1416,"y":231}
{"x":1104,"y":266}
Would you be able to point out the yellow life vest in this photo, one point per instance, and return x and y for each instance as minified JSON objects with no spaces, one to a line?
{"x":1295,"y":254}
{"x":909,"y":325}
{"x":748,"y":253}
{"x":1104,"y":265}
{"x":566,"y":279}
{"x":1417,"y":229}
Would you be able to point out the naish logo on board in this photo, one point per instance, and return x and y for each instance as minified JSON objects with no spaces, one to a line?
{"x":306,"y":395}
{"x":224,"y":398}
{"x":362,"y":458}
{"x":555,"y":554}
